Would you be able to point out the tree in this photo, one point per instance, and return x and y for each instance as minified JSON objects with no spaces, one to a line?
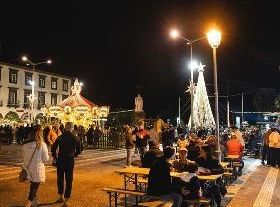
{"x":264,"y":99}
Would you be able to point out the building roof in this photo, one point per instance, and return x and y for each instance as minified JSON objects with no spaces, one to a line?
{"x":36,"y":70}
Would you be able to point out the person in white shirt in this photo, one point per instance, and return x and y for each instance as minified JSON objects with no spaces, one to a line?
{"x":35,"y":154}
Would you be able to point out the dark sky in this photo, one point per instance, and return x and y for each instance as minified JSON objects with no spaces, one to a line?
{"x":120,"y":47}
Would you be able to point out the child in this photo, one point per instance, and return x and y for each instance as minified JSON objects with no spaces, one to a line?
{"x":191,"y":189}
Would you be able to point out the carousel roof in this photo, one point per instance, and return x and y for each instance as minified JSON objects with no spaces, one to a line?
{"x":76,"y":99}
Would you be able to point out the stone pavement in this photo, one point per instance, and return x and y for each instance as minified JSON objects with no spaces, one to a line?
{"x":259,"y":186}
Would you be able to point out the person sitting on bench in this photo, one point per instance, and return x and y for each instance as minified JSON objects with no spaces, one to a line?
{"x":159,"y":179}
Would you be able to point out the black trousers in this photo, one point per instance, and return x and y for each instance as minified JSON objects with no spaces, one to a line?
{"x":265,"y":153}
{"x":33,"y":190}
{"x":65,"y":167}
{"x":275,"y":156}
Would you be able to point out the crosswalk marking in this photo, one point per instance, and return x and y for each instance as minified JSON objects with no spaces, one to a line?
{"x":88,"y":157}
{"x":265,"y":195}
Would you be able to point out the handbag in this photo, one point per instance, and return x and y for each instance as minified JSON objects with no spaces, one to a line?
{"x":23,"y":174}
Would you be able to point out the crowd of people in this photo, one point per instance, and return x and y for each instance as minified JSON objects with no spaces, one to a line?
{"x":195,"y":153}
{"x":164,"y":151}
{"x":18,"y":134}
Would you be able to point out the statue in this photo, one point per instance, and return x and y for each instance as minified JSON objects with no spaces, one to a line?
{"x":138,"y":104}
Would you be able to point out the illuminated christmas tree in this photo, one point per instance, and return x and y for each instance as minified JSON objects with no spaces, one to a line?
{"x":202,"y":113}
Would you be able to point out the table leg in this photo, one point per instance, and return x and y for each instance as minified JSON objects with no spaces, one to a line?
{"x":136,"y":186}
{"x":125,"y":186}
{"x":110,"y":199}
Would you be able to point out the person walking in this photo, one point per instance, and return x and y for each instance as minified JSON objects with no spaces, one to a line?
{"x":265,"y":147}
{"x":274,"y":145}
{"x":129,"y":144}
{"x":69,"y":147}
{"x":35,"y":154}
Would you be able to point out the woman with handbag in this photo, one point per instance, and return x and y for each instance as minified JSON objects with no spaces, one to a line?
{"x":35,"y":154}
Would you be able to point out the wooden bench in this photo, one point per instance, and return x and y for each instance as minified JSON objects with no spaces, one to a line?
{"x":198,"y":202}
{"x":227,"y":176}
{"x":155,"y":204}
{"x":115,"y":192}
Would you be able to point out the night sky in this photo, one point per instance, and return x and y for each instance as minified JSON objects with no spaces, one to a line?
{"x":120,"y":48}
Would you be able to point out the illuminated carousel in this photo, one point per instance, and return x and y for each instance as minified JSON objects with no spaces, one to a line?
{"x":78,"y":110}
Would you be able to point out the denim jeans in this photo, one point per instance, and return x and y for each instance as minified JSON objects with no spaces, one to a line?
{"x":175,"y":197}
{"x":129,"y":153}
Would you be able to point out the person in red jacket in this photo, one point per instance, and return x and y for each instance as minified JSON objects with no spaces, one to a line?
{"x":234,"y":147}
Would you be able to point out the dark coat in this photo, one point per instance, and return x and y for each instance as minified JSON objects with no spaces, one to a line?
{"x":212,"y":164}
{"x":150,"y":157}
{"x":159,"y":180}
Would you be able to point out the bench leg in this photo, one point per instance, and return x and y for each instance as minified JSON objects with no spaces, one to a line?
{"x":116,"y":199}
{"x":110,"y":199}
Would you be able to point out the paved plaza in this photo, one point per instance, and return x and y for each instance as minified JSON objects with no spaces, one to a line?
{"x":259,"y":186}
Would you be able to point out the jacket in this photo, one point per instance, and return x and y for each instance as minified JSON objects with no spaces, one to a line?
{"x":68,"y":146}
{"x":129,"y":141}
{"x":212,"y":164}
{"x":159,"y":179}
{"x":274,"y":140}
{"x":52,"y":136}
{"x":150,"y":157}
{"x":36,"y":170}
{"x":234,"y":147}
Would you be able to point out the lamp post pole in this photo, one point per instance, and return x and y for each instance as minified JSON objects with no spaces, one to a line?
{"x":32,"y":83}
{"x":175,"y":34}
{"x":214,"y":39}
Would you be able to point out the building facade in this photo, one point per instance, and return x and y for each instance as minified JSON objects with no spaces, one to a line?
{"x":15,"y":89}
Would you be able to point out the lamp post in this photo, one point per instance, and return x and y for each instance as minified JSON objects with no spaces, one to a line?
{"x":175,"y":34}
{"x":214,"y":39}
{"x":32,"y":83}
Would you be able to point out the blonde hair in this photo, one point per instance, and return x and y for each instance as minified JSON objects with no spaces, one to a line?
{"x":39,"y":136}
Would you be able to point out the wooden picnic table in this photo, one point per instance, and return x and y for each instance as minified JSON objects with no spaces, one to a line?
{"x":132,"y":174}
{"x":232,"y":157}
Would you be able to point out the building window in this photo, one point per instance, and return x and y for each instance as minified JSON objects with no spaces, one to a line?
{"x":13,"y":76}
{"x":65,"y":85}
{"x":41,"y":99}
{"x":12,"y":100}
{"x":28,"y":78}
{"x":64,"y":97}
{"x":26,"y":103}
{"x":53,"y":99}
{"x":42,"y":81}
{"x":54,"y":83}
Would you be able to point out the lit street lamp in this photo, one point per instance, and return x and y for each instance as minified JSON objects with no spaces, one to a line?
{"x":32,"y":83}
{"x":175,"y":34}
{"x":214,"y":39}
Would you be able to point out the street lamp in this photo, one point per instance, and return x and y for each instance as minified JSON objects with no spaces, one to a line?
{"x":175,"y":34}
{"x":214,"y":38}
{"x":32,"y":83}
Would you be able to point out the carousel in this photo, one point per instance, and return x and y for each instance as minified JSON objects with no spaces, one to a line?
{"x":77,"y":109}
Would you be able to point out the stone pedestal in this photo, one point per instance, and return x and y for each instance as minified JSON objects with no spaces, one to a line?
{"x":141,"y":115}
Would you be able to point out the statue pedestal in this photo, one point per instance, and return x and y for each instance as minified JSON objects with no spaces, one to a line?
{"x":138,"y":115}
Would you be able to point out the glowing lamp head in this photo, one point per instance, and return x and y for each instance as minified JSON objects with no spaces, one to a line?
{"x":193,"y":65}
{"x":174,"y":34}
{"x":214,"y":37}
{"x":24,"y":58}
{"x":81,"y":83}
{"x":49,"y":61}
